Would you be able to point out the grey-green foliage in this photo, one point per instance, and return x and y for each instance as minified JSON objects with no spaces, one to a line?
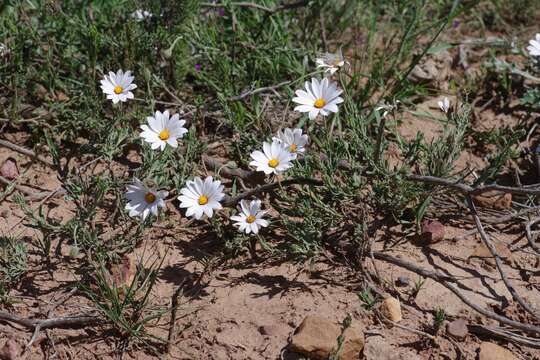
{"x":13,"y":264}
{"x":127,"y":306}
{"x":443,"y":151}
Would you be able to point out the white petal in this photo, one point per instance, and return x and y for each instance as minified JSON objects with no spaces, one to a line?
{"x":304,"y":108}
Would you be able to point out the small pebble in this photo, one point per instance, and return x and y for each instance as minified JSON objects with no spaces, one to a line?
{"x":402,"y":281}
{"x":458,"y":329}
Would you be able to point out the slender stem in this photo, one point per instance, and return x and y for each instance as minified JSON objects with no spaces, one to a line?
{"x":231,"y":201}
{"x":380,"y":135}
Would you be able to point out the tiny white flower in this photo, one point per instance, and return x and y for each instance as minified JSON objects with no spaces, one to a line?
{"x":444,"y":105}
{"x":162,"y":130}
{"x":293,"y":140}
{"x":250,"y":218}
{"x":387,"y":107}
{"x":201,"y":197}
{"x":275,"y":158}
{"x":118,"y":86}
{"x":534,"y":46}
{"x":320,"y":97}
{"x":140,"y":14}
{"x":331,"y":62}
{"x":142,"y":200}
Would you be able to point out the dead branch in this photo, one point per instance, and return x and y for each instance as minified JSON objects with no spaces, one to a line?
{"x":174,"y":308}
{"x":530,"y":238}
{"x":172,"y":324}
{"x":261,"y":7}
{"x":258,"y":90}
{"x":231,"y":172}
{"x":504,"y":334}
{"x":469,"y":190}
{"x":226,"y":171}
{"x":231,"y":201}
{"x":444,"y":281}
{"x":487,"y":242}
{"x":505,"y":218}
{"x":25,"y":151}
{"x":60,"y":322}
{"x":32,"y":196}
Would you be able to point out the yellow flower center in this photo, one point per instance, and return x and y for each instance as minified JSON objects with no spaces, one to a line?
{"x":118,"y":89}
{"x":319,"y":103}
{"x":250,"y":219}
{"x":273,"y":163}
{"x":203,"y":200}
{"x":164,"y":135}
{"x":293,"y":148}
{"x":150,"y":198}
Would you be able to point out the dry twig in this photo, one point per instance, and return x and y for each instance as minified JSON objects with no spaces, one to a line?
{"x":487,"y":242}
{"x":529,"y":234}
{"x":231,"y":201}
{"x":226,"y":171}
{"x":258,"y":90}
{"x":59,"y":322}
{"x":174,"y":307}
{"x":466,"y":189}
{"x":32,"y":196}
{"x":447,"y":282}
{"x":25,"y":151}
{"x":261,"y":7}
{"x":504,"y":334}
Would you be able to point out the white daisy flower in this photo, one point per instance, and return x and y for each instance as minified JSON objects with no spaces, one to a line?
{"x":162,"y":130}
{"x":534,"y":46}
{"x":201,"y":197}
{"x":444,"y":105}
{"x":118,"y":86}
{"x":140,"y":14}
{"x":250,"y":218}
{"x":275,"y":158}
{"x":331,"y":62}
{"x":293,"y":140}
{"x":142,"y":201}
{"x":320,"y":97}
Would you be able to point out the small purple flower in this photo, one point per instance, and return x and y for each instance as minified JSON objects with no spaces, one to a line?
{"x":198,"y":67}
{"x":221,"y":12}
{"x":455,"y":24}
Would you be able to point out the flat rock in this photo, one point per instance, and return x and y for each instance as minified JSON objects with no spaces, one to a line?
{"x":403,"y":281}
{"x":423,"y":73}
{"x":316,"y":337}
{"x":10,"y":350}
{"x":494,"y":200}
{"x":379,"y":348}
{"x":9,"y":169}
{"x":457,"y":329}
{"x":489,"y":351}
{"x":391,"y":308}
{"x":482,"y":252}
